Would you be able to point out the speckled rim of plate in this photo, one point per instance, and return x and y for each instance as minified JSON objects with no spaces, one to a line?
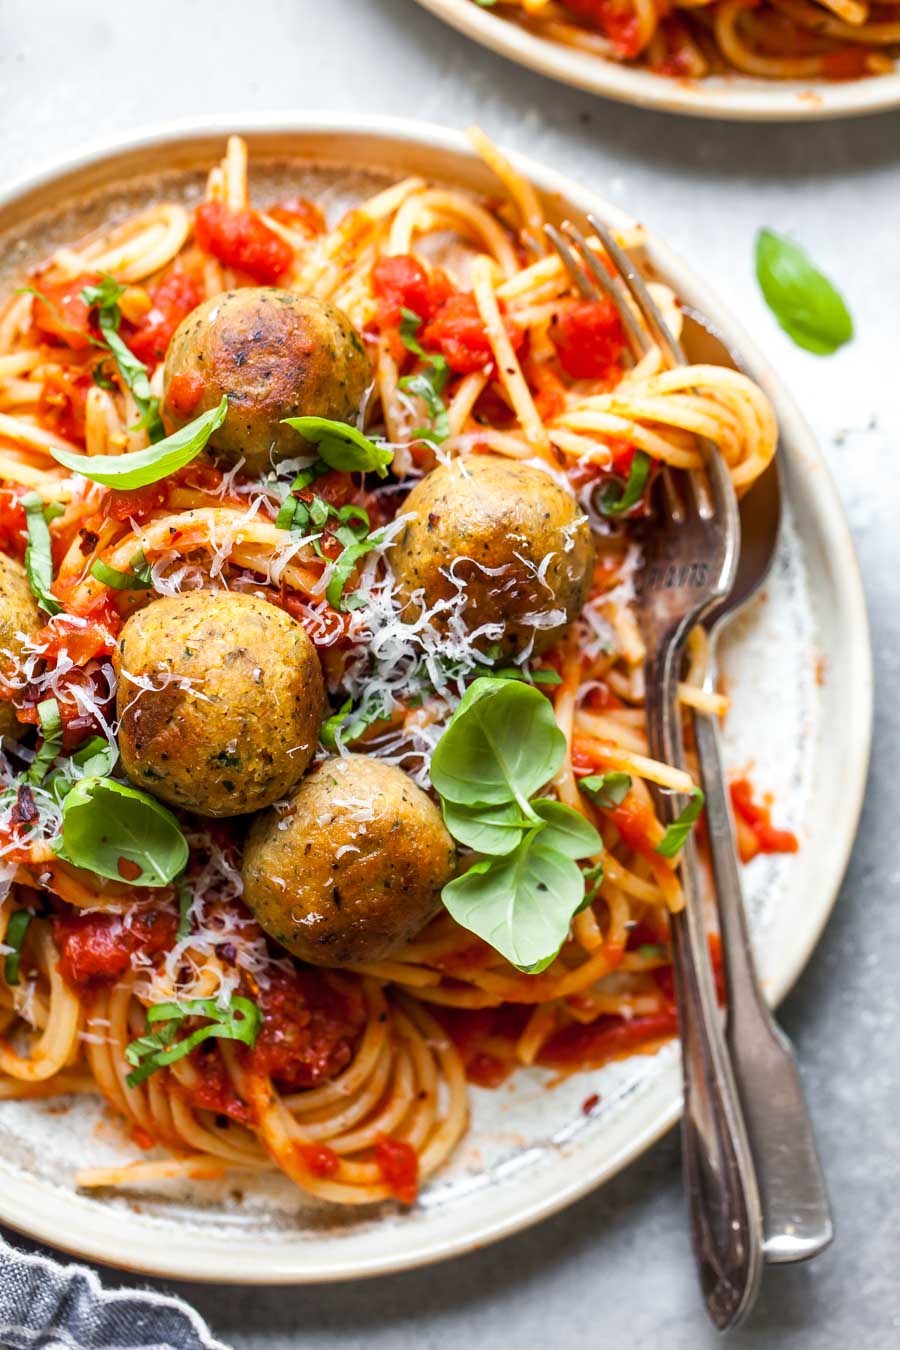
{"x":729,"y":98}
{"x":91,"y":1230}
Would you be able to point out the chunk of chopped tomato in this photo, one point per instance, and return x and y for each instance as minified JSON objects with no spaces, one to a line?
{"x":13,"y":536}
{"x":399,"y":282}
{"x":458,"y":332}
{"x":171,"y":300}
{"x":61,"y":313}
{"x":240,"y":239}
{"x":398,"y":1164}
{"x":100,"y":946}
{"x":588,"y":338}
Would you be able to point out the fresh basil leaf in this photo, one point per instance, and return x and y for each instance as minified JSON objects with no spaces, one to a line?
{"x":803,"y":300}
{"x":52,"y":732}
{"x":38,"y":554}
{"x":138,"y":579}
{"x":614,"y":501}
{"x":240,"y":1021}
{"x":566,"y":830}
{"x":15,"y":938}
{"x":342,"y":446}
{"x":501,"y":744}
{"x":150,"y":465}
{"x":494,"y":830}
{"x":676,"y":833}
{"x":521,"y":904}
{"x":608,"y":790}
{"x":105,"y":823}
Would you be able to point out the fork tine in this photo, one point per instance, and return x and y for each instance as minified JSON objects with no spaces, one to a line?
{"x":639,"y":292}
{"x":613,"y":286}
{"x":592,"y":280}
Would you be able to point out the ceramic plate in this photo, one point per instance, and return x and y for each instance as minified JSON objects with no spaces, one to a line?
{"x":732,"y":98}
{"x":798,"y":666}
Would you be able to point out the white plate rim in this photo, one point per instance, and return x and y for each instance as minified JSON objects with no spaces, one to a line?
{"x":735,"y":98}
{"x":100,"y":1233}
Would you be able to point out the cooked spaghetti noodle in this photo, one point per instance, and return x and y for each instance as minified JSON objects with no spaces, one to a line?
{"x":356,"y":1085}
{"x":768,"y":39}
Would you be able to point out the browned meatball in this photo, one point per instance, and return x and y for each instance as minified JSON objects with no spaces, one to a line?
{"x":481,"y":513}
{"x":19,"y":619}
{"x":220,"y":701}
{"x":275,"y":355}
{"x":352,"y":868}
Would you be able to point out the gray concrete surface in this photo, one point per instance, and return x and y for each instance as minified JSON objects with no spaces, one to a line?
{"x":615,"y":1269}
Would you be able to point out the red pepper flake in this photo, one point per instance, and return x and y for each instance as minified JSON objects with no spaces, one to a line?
{"x":589,"y":1105}
{"x":128,"y":869}
{"x":398,"y":1164}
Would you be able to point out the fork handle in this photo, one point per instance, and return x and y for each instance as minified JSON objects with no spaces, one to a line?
{"x":722,"y":1194}
{"x":796,"y":1215}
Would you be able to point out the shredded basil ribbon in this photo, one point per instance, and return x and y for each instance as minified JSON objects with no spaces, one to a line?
{"x":676,"y":833}
{"x":615,"y":502}
{"x":38,"y":554}
{"x":240,"y":1021}
{"x":15,"y":938}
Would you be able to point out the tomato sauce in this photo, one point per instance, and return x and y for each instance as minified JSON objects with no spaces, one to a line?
{"x":309,"y":1029}
{"x":99,"y":946}
{"x":616,"y":18}
{"x":399,"y":1166}
{"x":756,"y":833}
{"x":185,"y":391}
{"x":213,"y":1090}
{"x":298,"y":213}
{"x":580,"y":1046}
{"x":241,"y":240}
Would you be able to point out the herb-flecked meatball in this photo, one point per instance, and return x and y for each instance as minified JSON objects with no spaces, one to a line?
{"x":352,"y":867}
{"x":511,"y":536}
{"x":220,"y":700}
{"x":275,"y":355}
{"x":19,"y":619}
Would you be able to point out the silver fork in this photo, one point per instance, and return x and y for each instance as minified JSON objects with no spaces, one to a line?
{"x":690,"y":560}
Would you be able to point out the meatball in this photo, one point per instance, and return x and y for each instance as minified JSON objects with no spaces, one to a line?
{"x":19,"y":619}
{"x":352,"y":867}
{"x":511,"y":536}
{"x":220,"y":700}
{"x":275,"y":355}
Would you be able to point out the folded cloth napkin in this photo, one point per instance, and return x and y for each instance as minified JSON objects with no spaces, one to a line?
{"x":47,"y":1306}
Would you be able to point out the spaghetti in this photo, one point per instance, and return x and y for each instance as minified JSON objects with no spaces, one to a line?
{"x":767,"y":39}
{"x":356,"y":1084}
